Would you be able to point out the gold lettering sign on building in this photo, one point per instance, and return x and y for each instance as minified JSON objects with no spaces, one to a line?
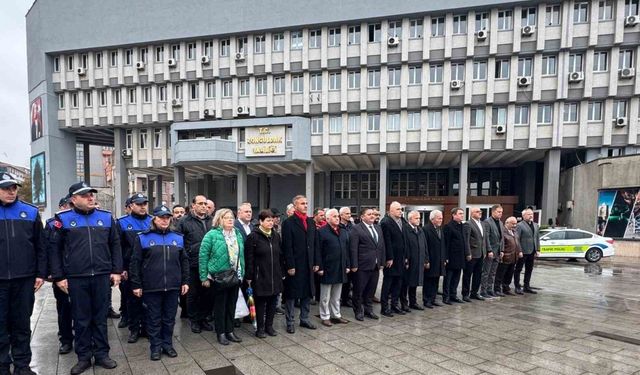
{"x":264,"y":141}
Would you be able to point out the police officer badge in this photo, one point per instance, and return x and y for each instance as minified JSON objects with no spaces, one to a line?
{"x":174,"y":243}
{"x":152,"y":243}
{"x":100,"y":223}
{"x":73,"y":223}
{"x":23,"y":214}
{"x":129,"y":227}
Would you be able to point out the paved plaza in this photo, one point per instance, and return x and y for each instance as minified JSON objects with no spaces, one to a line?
{"x":557,"y":331}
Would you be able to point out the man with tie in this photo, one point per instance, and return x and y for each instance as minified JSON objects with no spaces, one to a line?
{"x":473,"y":268}
{"x":529,"y":234}
{"x":437,"y":259}
{"x":456,"y":239}
{"x":393,"y":225}
{"x":367,"y":258}
{"x":495,"y":245}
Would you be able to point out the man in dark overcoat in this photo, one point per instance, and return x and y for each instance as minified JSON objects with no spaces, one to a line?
{"x":393,"y":226}
{"x":417,"y":260}
{"x":456,"y":239}
{"x":437,"y":259}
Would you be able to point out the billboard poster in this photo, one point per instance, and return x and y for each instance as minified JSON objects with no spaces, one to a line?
{"x":618,"y":213}
{"x":38,"y":181}
{"x":36,"y":119}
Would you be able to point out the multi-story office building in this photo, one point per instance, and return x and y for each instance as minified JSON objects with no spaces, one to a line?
{"x":433,"y":104}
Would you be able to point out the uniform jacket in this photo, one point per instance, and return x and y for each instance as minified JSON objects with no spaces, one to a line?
{"x":214,"y":253}
{"x":495,"y":242}
{"x":264,"y":262}
{"x":438,"y":254}
{"x":193,"y":229}
{"x":366,"y":254}
{"x":23,"y":251}
{"x":300,"y":252}
{"x":417,"y":255}
{"x":529,"y":241}
{"x":334,"y":255}
{"x":511,"y":247}
{"x":87,"y":244}
{"x":477,"y":239}
{"x":394,"y":244}
{"x":456,"y":239}
{"x":159,"y":262}
{"x":130,"y":226}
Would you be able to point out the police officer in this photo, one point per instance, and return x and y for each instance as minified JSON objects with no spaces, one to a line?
{"x":87,"y":256}
{"x":23,"y":268}
{"x":131,"y":225}
{"x":159,"y":273}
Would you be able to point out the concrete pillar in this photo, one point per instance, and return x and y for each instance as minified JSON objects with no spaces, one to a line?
{"x":179,"y":192}
{"x":209,"y":188}
{"x":309,"y":187}
{"x":150,"y":190}
{"x":529,"y":193}
{"x":384,"y":167}
{"x":200,"y":186}
{"x":158,"y":190}
{"x":120,"y":176}
{"x":327,"y":189}
{"x":463,"y":180}
{"x":321,"y":178}
{"x":263,"y":191}
{"x":550,"y":185}
{"x":241,"y":185}
{"x":86,"y":153}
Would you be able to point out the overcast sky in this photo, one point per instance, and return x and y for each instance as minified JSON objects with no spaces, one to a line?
{"x":14,"y":98}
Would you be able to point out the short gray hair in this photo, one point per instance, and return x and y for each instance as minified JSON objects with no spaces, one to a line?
{"x":527,"y":210}
{"x":344,"y":209}
{"x":414,"y":212}
{"x":434,"y":213}
{"x":331,"y":212}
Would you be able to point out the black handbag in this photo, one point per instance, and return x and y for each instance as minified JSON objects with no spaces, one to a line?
{"x":227,"y":278}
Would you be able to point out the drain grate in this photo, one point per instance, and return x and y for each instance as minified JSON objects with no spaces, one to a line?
{"x":613,"y":336}
{"x":227,"y":370}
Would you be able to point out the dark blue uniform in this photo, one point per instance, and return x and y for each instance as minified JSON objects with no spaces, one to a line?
{"x":63,"y":302}
{"x":131,"y":306}
{"x":87,"y":251}
{"x":23,"y":257}
{"x":159,"y":266}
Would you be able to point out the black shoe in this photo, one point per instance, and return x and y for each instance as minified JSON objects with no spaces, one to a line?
{"x":80,"y":367}
{"x":456,"y":300}
{"x":371,"y":315}
{"x":236,"y":323}
{"x":416,"y":307}
{"x":428,"y":305}
{"x":446,"y":301}
{"x":387,"y":312}
{"x":155,"y":356}
{"x":308,"y":325}
{"x":436,"y":304}
{"x":405,"y":309}
{"x":291,"y":329}
{"x":261,"y":334}
{"x":519,"y":291}
{"x":477,"y":297}
{"x":106,"y":362}
{"x":279,"y":310}
{"x":222,"y":339}
{"x":498,"y":294}
{"x":530,"y":291}
{"x":360,"y":317}
{"x":508,"y":293}
{"x":397,"y":310}
{"x":232,"y":337}
{"x":123,"y":323}
{"x":347,"y":303}
{"x":113,"y":314}
{"x":171,"y":352}
{"x":133,"y":337}
{"x":23,"y":371}
{"x":195,"y":327}
{"x":64,"y":348}
{"x":491,"y":294}
{"x":466,"y":299}
{"x":206,"y":326}
{"x":271,"y":332}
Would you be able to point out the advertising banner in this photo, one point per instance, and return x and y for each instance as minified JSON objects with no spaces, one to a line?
{"x":618,"y":213}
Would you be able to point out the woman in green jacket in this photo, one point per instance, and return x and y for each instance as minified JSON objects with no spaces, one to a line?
{"x":222,"y":249}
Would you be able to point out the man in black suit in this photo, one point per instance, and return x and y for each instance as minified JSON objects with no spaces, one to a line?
{"x":456,"y":239}
{"x":243,"y":222}
{"x":478,"y":248}
{"x":437,"y":259}
{"x":367,"y":257}
{"x":393,"y":226}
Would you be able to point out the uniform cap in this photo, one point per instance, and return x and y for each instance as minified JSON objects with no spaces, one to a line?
{"x":81,"y":188}
{"x":8,"y":180}
{"x":162,"y":211}
{"x":138,"y":198}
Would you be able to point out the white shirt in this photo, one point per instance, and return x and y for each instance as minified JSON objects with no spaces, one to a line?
{"x":479,"y":226}
{"x":247,"y":228}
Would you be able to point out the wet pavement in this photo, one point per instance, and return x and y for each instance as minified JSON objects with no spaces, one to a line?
{"x":558,"y":331}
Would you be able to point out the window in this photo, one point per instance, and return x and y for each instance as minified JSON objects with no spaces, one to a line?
{"x":479,"y":70}
{"x":315,"y":39}
{"x":626,"y":59}
{"x":354,"y":79}
{"x":395,"y":29}
{"x":437,"y":26}
{"x":595,"y":111}
{"x":317,"y":125}
{"x":131,"y":95}
{"x":393,"y":122}
{"x":117,"y":97}
{"x":98,"y":59}
{"x":522,"y":115}
{"x":315,"y":82}
{"x":297,"y":84}
{"x":600,"y":61}
{"x":415,"y":29}
{"x":60,"y":101}
{"x":114,"y":59}
{"x":580,"y":12}
{"x":74,"y":100}
{"x":146,"y":94}
{"x":296,"y":40}
{"x":128,"y":139}
{"x":278,"y":85}
{"x":335,"y":81}
{"x":605,"y":10}
{"x":373,"y":78}
{"x":278,"y":42}
{"x":335,"y":124}
{"x":482,"y":21}
{"x":373,"y":122}
{"x":525,"y":67}
{"x":354,"y":34}
{"x":552,"y":15}
{"x":354,"y":124}
{"x":193,"y":91}
{"x":159,"y":53}
{"x":459,"y":24}
{"x":456,"y":118}
{"x":631,"y":7}
{"x":241,"y":45}
{"x":575,"y":62}
{"x":175,"y":51}
{"x":549,"y":65}
{"x":142,"y":54}
{"x":143,"y":138}
{"x":435,"y":73}
{"x":261,"y":86}
{"x":477,"y":117}
{"x":435,"y":119}
{"x":162,"y":93}
{"x":225,"y":47}
{"x":505,"y":20}
{"x":70,"y":63}
{"x":619,"y":108}
{"x":413,"y":120}
{"x":502,"y":69}
{"x":191,"y":51}
{"x":394,"y":76}
{"x":177,"y":91}
{"x":157,"y":138}
{"x":545,"y":113}
{"x":128,"y":57}
{"x":415,"y":75}
{"x":258,"y":45}
{"x":345,"y":185}
{"x":499,"y":116}
{"x":84,"y":60}
{"x":207,"y":48}
{"x":528,"y":16}
{"x":210,"y":90}
{"x":375,"y":31}
{"x":243,"y":84}
{"x":571,"y":111}
{"x":56,"y":64}
{"x":102,"y":95}
{"x":227,"y":89}
{"x":369,"y":185}
{"x":87,"y":99}
{"x":334,"y":37}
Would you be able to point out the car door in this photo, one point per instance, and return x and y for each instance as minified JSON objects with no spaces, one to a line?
{"x":577,"y":242}
{"x":551,"y":244}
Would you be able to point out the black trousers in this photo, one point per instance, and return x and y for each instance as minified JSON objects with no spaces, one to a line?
{"x":265,"y":310}
{"x":430,"y":289}
{"x":346,"y":290}
{"x":504,"y":274}
{"x":224,"y":309}
{"x":65,"y":321}
{"x":471,"y":277}
{"x":199,"y":298}
{"x":527,"y":261}
{"x":135,"y":311}
{"x":391,"y":286}
{"x":161,"y":317}
{"x":364,"y":287}
{"x":16,"y":306}
{"x":408,"y":295}
{"x":89,"y":308}
{"x":450,"y":285}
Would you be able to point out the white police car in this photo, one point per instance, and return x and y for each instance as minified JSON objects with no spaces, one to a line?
{"x":574,"y":243}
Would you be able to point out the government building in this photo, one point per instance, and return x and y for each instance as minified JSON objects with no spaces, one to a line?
{"x":433,"y":104}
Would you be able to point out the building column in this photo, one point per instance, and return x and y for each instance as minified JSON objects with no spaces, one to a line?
{"x":150,"y":189}
{"x":550,"y":185}
{"x":158,"y":190}
{"x":310,"y":187}
{"x":262,"y":191}
{"x":321,"y":185}
{"x":179,"y":192}
{"x":86,"y":153}
{"x":120,"y":176}
{"x":382,"y":192}
{"x":209,"y":189}
{"x":463,"y":184}
{"x":241,"y":185}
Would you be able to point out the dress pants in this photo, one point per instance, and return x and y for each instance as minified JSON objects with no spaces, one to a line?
{"x":89,"y":308}
{"x":136,"y":312}
{"x":450,"y":285}
{"x":160,"y":318}
{"x":364,"y":287}
{"x":430,"y":289}
{"x":199,"y":299}
{"x":125,"y":294}
{"x":408,"y":295}
{"x":224,"y":308}
{"x":290,"y":310}
{"x":346,"y":290}
{"x":16,"y":306}
{"x":65,"y":322}
{"x":489,"y":268}
{"x":330,"y":301}
{"x":527,"y":261}
{"x":391,"y":286}
{"x":265,"y":310}
{"x":471,"y":277}
{"x":503,"y":277}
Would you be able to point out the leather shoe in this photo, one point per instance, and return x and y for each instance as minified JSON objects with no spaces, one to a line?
{"x":206,"y":326}
{"x":155,"y":356}
{"x":498,"y":294}
{"x":456,"y":300}
{"x":291,"y":329}
{"x":327,"y":323}
{"x":339,"y":320}
{"x":271,"y":332}
{"x":428,"y":305}
{"x":222,"y":339}
{"x":446,"y":301}
{"x":195,"y":327}
{"x":371,"y":315}
{"x":307,"y":325}
{"x":436,"y":304}
{"x":416,"y":307}
{"x":279,"y":310}
{"x":65,"y":348}
{"x":477,"y":297}
{"x":80,"y":367}
{"x":519,"y":291}
{"x":23,"y":371}
{"x":397,"y":310}
{"x":133,"y":337}
{"x":232,"y":337}
{"x":405,"y":309}
{"x":171,"y":352}
{"x":106,"y":362}
{"x":360,"y":317}
{"x":491,"y":294}
{"x":123,"y":323}
{"x":508,"y":293}
{"x":112,"y":314}
{"x":387,"y":313}
{"x":261,"y":334}
{"x":530,"y":291}
{"x":466,"y":299}
{"x":347,"y":303}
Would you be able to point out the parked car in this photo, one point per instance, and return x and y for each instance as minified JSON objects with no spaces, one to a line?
{"x":573,"y":244}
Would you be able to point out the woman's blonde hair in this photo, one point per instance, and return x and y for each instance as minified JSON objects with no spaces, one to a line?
{"x":217,"y":218}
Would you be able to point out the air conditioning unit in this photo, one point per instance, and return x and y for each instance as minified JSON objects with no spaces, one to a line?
{"x":209,"y":113}
{"x":243,"y":111}
{"x":620,"y":122}
{"x":456,"y":84}
{"x":172,"y":62}
{"x":140,"y":65}
{"x":627,"y":72}
{"x":631,"y":21}
{"x":393,"y":41}
{"x":482,"y":35}
{"x":576,"y":76}
{"x":205,"y":60}
{"x":239,"y":56}
{"x":501,"y":129}
{"x":127,"y":153}
{"x":524,"y":81}
{"x":176,"y":103}
{"x":81,"y":71}
{"x":528,"y":30}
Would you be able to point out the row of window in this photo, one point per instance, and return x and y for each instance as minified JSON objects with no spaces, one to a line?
{"x":143,"y":139}
{"x":505,"y":22}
